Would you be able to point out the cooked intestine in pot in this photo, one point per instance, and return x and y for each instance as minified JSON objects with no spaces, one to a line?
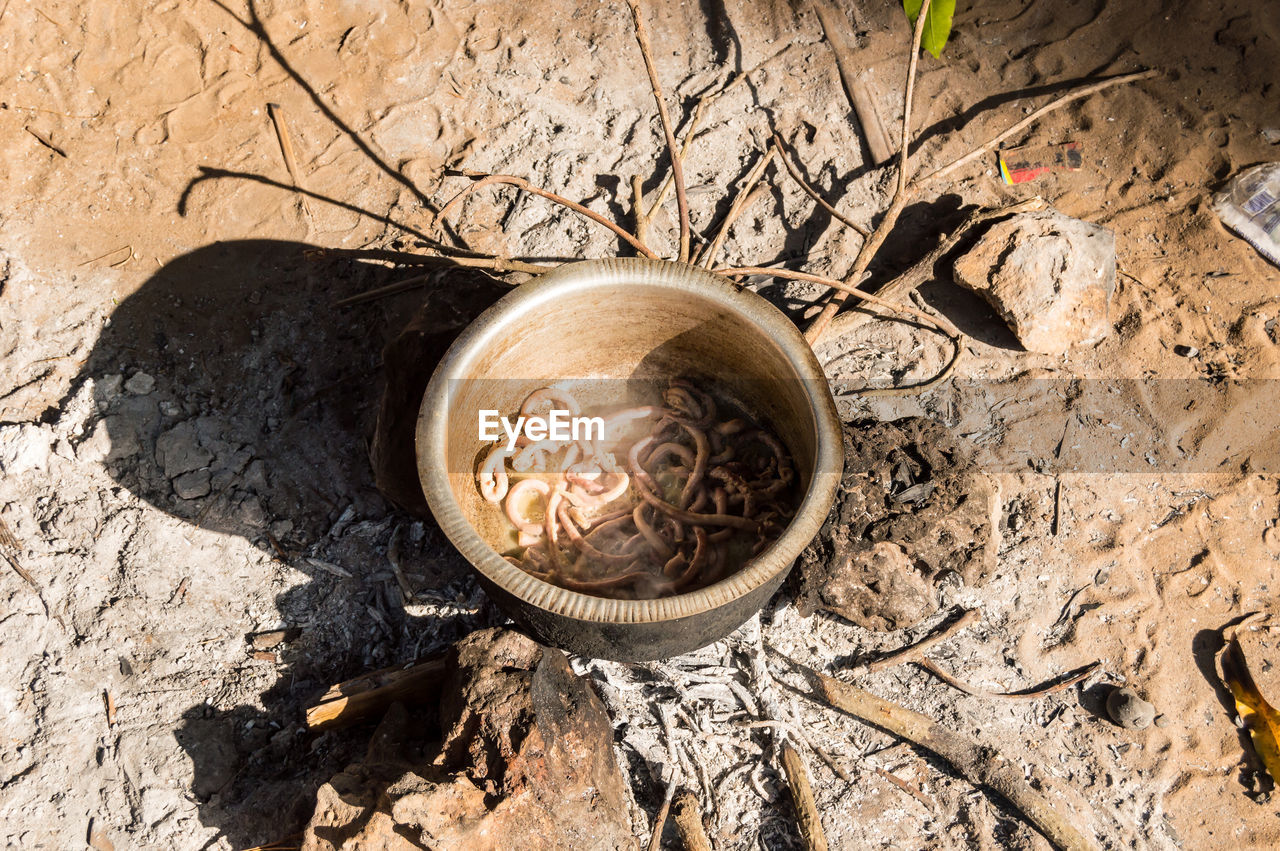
{"x":687,"y":501}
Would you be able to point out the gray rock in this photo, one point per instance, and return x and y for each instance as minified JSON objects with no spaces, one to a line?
{"x":1048,"y":275}
{"x":106,"y":390}
{"x":140,"y":384}
{"x":178,"y":451}
{"x":192,"y":485}
{"x":114,"y":438}
{"x":255,"y":477}
{"x":1127,"y":708}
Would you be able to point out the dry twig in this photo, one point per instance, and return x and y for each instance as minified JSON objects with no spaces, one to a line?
{"x":978,"y":764}
{"x":746,"y":196}
{"x":11,"y":553}
{"x":794,"y":174}
{"x":677,"y":164}
{"x":637,"y":205}
{"x":482,"y":179}
{"x":44,"y":140}
{"x":901,"y":195}
{"x":276,"y":112}
{"x":1057,"y":103}
{"x":916,"y":651}
{"x":802,"y":794}
{"x":869,"y":298}
{"x":660,"y":821}
{"x":909,"y":788}
{"x":1030,"y":694}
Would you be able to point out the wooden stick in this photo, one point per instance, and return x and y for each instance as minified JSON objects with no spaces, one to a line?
{"x":980,"y":765}
{"x":904,"y":145}
{"x":906,"y":787}
{"x":637,"y":211}
{"x":802,"y":795}
{"x":900,"y":197}
{"x":900,"y":287}
{"x":677,"y":164}
{"x":1058,"y":103}
{"x":836,"y":29}
{"x":795,"y":175}
{"x":43,"y":140}
{"x":746,"y":196}
{"x":276,"y":111}
{"x":1031,"y":694}
{"x":732,"y":271}
{"x":688,"y":817}
{"x":660,"y":822}
{"x":497,"y":265}
{"x":916,"y":651}
{"x":482,"y":179}
{"x":913,"y":389}
{"x":354,"y":700}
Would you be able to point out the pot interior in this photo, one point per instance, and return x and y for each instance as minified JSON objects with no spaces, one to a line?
{"x":614,"y":345}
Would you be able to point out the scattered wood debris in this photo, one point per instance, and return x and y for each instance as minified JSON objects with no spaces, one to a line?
{"x":367,"y":695}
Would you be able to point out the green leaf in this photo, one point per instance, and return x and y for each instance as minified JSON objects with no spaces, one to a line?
{"x":937,"y":24}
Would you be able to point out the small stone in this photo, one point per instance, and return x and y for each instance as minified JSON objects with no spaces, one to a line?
{"x":268,"y":640}
{"x":1271,"y":538}
{"x":192,"y":485}
{"x":114,"y":438}
{"x":178,"y":451}
{"x":107,"y":390}
{"x":1048,"y":275}
{"x":1185,"y":351}
{"x":1129,"y":710}
{"x":1162,"y":721}
{"x":140,"y":384}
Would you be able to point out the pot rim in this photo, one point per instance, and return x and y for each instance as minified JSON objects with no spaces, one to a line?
{"x":432,"y":440}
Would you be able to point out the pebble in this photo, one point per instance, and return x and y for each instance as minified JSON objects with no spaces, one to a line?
{"x":192,"y":485}
{"x":178,"y":451}
{"x":1127,"y":708}
{"x":140,"y":384}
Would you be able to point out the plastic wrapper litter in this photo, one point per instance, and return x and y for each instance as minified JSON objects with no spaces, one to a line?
{"x":1250,"y":205}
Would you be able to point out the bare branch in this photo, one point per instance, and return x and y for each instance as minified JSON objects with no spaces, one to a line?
{"x":746,"y":195}
{"x":1058,"y":103}
{"x":900,"y":197}
{"x":677,"y":166}
{"x":482,"y":179}
{"x":795,"y":175}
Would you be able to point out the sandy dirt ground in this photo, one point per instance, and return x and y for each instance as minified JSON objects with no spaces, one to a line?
{"x":185,"y":415}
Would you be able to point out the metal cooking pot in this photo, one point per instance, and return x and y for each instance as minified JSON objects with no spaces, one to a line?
{"x":602,"y":324}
